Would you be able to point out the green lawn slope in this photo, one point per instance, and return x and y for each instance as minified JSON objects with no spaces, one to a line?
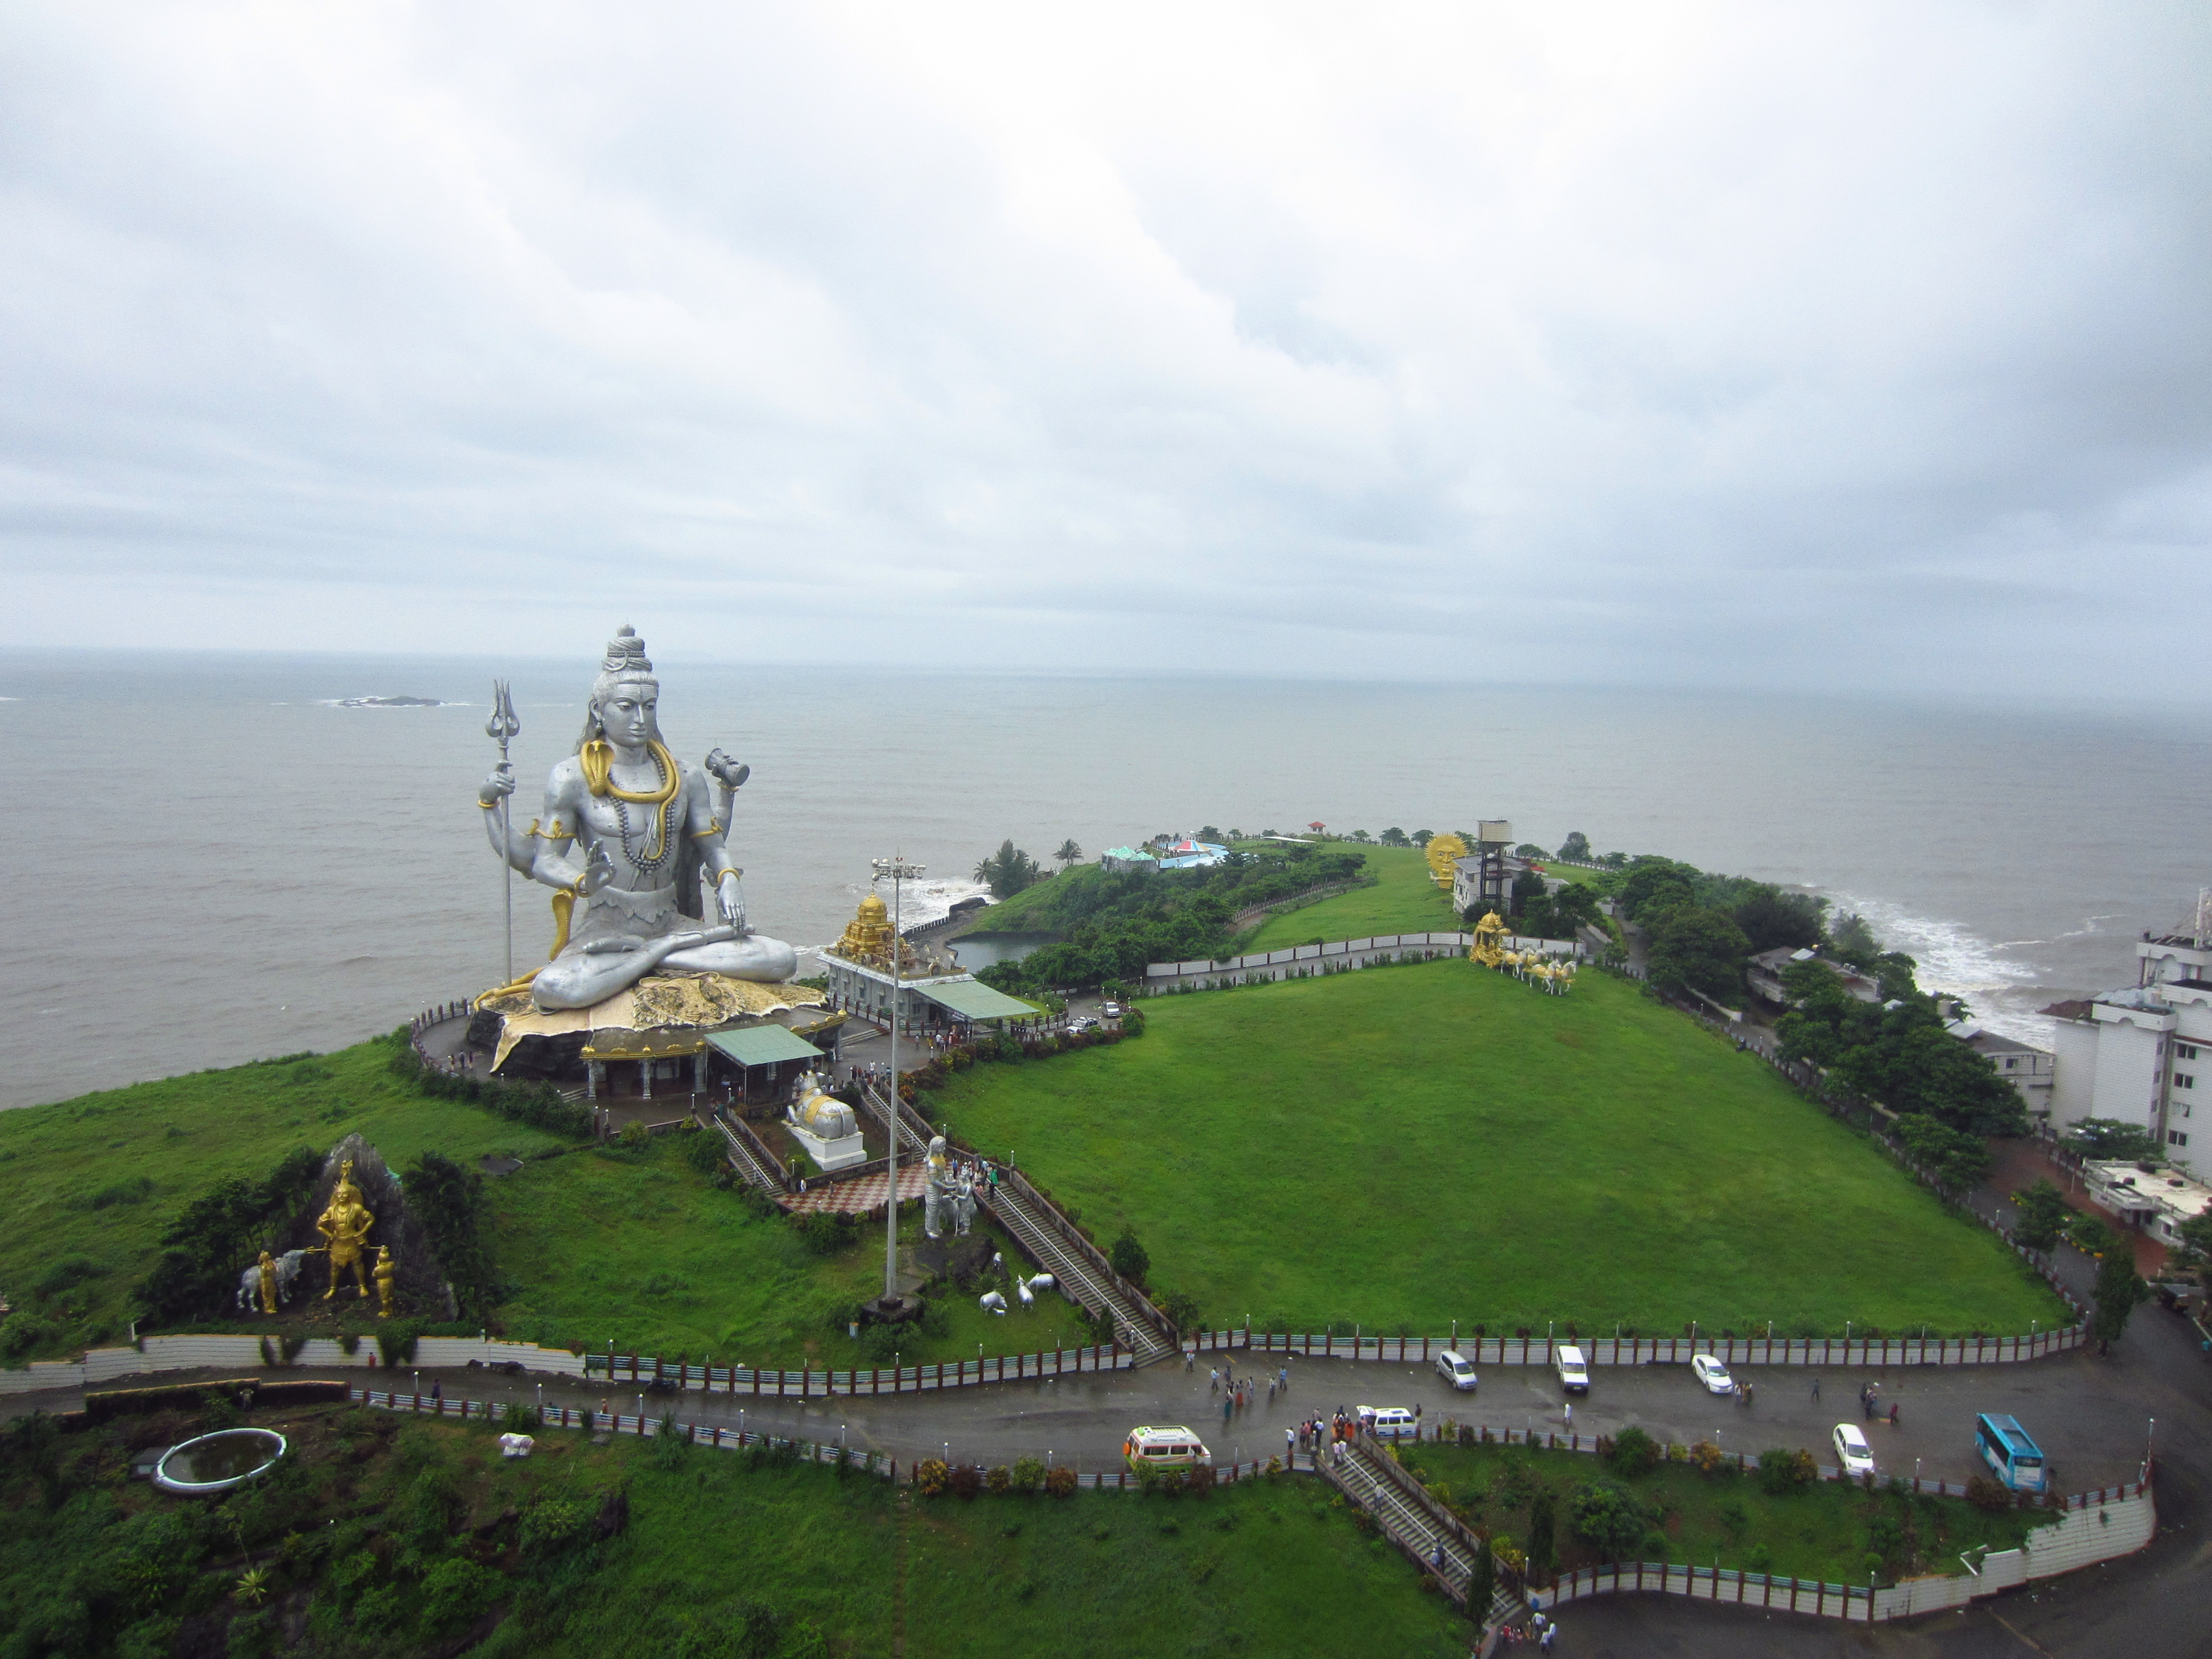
{"x":1403,"y":900}
{"x":91,"y":1183}
{"x":1405,"y":1146}
{"x":403,"y":1537}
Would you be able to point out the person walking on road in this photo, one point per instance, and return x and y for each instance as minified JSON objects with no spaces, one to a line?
{"x":1213,"y":1380}
{"x":1816,"y":1389}
{"x":1568,"y":1413}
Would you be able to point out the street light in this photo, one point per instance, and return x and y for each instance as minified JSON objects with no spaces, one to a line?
{"x":900,"y":872}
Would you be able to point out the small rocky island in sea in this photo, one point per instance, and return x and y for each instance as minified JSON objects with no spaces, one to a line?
{"x":389,"y":702}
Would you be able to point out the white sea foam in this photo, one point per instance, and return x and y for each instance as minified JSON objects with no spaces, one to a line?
{"x":381,"y":703}
{"x":924,"y":901}
{"x":1997,"y":985}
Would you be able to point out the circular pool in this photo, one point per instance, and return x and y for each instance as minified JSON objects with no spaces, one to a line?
{"x":216,"y":1462}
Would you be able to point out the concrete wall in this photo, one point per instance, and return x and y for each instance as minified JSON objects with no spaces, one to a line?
{"x":170,"y":1353}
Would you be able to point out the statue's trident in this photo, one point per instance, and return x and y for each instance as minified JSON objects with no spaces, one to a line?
{"x":502,"y":727}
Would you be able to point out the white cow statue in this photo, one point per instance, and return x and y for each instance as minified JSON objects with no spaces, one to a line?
{"x":287,"y":1275}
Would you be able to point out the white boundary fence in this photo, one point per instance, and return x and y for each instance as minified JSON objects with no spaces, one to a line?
{"x":1656,"y":1351}
{"x":1339,"y":956}
{"x":172,"y":1354}
{"x":2096,"y":1527}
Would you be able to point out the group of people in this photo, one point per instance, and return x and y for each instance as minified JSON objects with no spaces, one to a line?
{"x":1542,"y":1630}
{"x":1871,"y":1404}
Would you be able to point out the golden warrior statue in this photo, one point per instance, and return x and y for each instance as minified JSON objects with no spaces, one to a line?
{"x":344,"y":1226}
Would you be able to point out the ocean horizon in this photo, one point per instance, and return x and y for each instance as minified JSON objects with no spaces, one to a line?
{"x":300,"y":873}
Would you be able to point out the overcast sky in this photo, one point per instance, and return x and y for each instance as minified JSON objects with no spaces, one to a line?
{"x":1811,"y":345}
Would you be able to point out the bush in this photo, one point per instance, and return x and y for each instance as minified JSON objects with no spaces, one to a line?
{"x":1132,"y":1022}
{"x":1781,"y":1471}
{"x":1990,"y":1496}
{"x":1634,"y":1453}
{"x":828,"y":1234}
{"x":1028,"y":1474}
{"x":454,"y":1592}
{"x":1060,"y":1481}
{"x":1000,"y":1481}
{"x":520,"y":1418}
{"x":1708,"y":1459}
{"x":1603,"y":1514}
{"x":966,"y":1481}
{"x":1198,"y":1478}
{"x":1130,"y":1259}
{"x":932,"y":1475}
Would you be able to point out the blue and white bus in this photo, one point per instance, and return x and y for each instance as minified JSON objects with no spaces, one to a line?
{"x":2012,"y":1456}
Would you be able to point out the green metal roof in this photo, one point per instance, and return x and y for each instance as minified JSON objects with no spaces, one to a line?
{"x":762,"y":1045}
{"x":972,"y":999}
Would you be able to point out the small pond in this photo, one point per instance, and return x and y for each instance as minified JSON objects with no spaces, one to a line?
{"x":216,"y":1462}
{"x":974,"y":951}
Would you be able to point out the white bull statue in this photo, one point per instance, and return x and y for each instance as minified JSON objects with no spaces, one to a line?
{"x":287,"y":1275}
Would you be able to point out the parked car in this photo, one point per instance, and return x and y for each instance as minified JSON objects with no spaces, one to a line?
{"x":1714,"y":1375}
{"x":1573,"y":1370}
{"x":1111,"y":1010}
{"x":1390,"y":1422}
{"x":1086,"y":1023}
{"x":1853,"y":1456}
{"x":1456,"y":1369}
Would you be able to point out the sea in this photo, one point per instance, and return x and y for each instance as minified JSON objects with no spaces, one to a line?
{"x":247,"y":856}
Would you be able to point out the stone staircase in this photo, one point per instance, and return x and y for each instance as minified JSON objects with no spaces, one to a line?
{"x":751,"y":1167}
{"x":1417,"y":1523}
{"x":1052,"y":1241}
{"x":1081,"y":1278}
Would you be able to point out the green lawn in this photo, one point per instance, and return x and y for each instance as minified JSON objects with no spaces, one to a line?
{"x":390,"y":1536}
{"x":637,"y":1247}
{"x":1405,"y":1146}
{"x":1403,"y":900}
{"x":643,"y":1249}
{"x":181,"y":1136}
{"x":1823,"y":1532}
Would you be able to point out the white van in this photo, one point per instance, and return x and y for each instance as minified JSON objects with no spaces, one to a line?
{"x":1169,"y":1447}
{"x":1456,"y":1369}
{"x":1390,"y":1422}
{"x":1574,"y":1374}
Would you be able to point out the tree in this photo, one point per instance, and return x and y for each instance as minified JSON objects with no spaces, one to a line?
{"x":1543,"y":1532}
{"x":1955,"y":1161}
{"x":1526,"y":886}
{"x":1481,"y":1585}
{"x":1698,"y":949}
{"x":1423,"y":837}
{"x":1068,"y":853}
{"x":1130,"y":1259}
{"x":1634,"y":1452}
{"x":1209,"y":833}
{"x":2111,"y":1138}
{"x":2090,"y":1235}
{"x":2043,"y":1212}
{"x":1393,"y":836}
{"x":1770,"y":917}
{"x":2194,"y":1253}
{"x":1576,"y":847}
{"x":1605,"y":1517}
{"x":1529,"y":849}
{"x":1654,"y":886}
{"x":1007,"y":870}
{"x":2119,"y":1291}
{"x":1361,"y":834}
{"x":1852,"y":940}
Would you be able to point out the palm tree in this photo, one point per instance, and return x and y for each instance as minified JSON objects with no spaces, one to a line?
{"x":1069,"y":853}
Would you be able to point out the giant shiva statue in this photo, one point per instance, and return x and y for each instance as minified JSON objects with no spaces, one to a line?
{"x":637,"y":836}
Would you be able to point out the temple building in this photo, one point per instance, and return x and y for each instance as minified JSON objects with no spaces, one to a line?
{"x":933,"y":993}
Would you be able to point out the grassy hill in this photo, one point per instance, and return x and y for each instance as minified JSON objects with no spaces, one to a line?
{"x":635,"y":1246}
{"x":1405,"y":1147}
{"x":1403,"y":900}
{"x":400,"y":1538}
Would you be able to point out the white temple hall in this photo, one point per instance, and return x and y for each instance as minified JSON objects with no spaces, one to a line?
{"x":933,"y":994}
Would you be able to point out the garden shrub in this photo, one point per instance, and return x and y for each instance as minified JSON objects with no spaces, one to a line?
{"x":1783,"y":1471}
{"x":931,"y":1474}
{"x":454,"y":1592}
{"x":1028,"y":1474}
{"x":1990,"y":1496}
{"x":1198,"y":1478}
{"x":966,"y":1481}
{"x":1130,"y":1259}
{"x":1060,"y":1481}
{"x":1634,"y":1453}
{"x":1000,"y":1481}
{"x":1603,"y":1514}
{"x":1708,"y":1459}
{"x":828,"y":1234}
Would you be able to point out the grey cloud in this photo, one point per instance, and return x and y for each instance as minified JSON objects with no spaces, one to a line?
{"x":1474,"y":342}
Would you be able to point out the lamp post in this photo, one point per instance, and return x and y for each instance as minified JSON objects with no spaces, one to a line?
{"x":900,"y":872}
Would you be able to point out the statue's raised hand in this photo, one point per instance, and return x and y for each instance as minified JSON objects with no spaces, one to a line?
{"x":496,"y":787}
{"x":599,"y":869}
{"x":732,"y":774}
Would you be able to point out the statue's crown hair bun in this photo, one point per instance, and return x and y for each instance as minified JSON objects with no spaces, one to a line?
{"x":626,"y":654}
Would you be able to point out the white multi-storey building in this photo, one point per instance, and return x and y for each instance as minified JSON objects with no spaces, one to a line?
{"x":2142,"y":1054}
